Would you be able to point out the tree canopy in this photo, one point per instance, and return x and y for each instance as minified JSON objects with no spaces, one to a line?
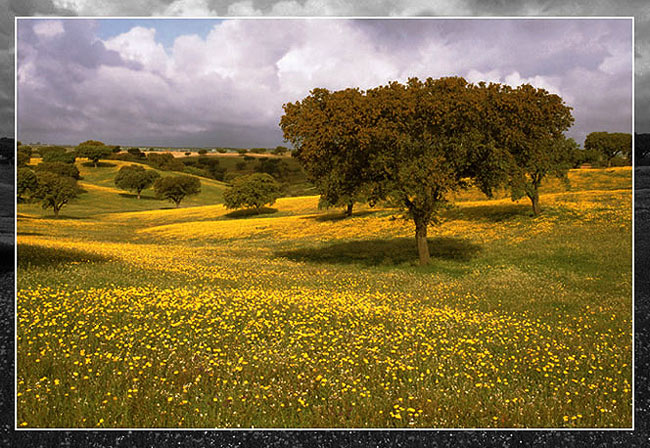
{"x":176,"y":188}
{"x":55,"y":191}
{"x":610,"y":144}
{"x":94,"y":150}
{"x":26,"y":182}
{"x":135,"y":178}
{"x":415,"y":143}
{"x":255,"y":190}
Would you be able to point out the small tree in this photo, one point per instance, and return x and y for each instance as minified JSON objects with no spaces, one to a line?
{"x":94,"y":151}
{"x":60,"y":168}
{"x":242,"y":151}
{"x":56,"y":154}
{"x":280,"y":150}
{"x":256,"y":190}
{"x":55,"y":191}
{"x":136,"y":153}
{"x":203,"y":152}
{"x":26,"y":182}
{"x":175,"y":188}
{"x":610,"y":144}
{"x":135,"y":178}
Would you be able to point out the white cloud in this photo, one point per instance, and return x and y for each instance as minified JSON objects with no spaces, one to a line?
{"x":48,"y":28}
{"x":139,"y":44}
{"x":188,"y":8}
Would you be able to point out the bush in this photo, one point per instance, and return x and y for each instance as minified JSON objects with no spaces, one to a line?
{"x":256,"y":191}
{"x":56,"y":154}
{"x":60,"y":168}
{"x":176,"y":188}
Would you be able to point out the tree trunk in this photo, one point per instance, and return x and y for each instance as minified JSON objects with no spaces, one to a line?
{"x":348,"y":210}
{"x":138,"y":195}
{"x":56,"y":211}
{"x":534,"y":199}
{"x":178,"y":204}
{"x":95,"y":162}
{"x":421,"y":240}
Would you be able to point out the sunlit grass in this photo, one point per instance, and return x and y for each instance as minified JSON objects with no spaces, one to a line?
{"x":168,"y":318}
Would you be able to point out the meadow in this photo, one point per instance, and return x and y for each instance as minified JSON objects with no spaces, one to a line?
{"x":136,"y":314}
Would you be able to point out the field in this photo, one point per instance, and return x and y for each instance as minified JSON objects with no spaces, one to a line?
{"x":135,"y":314}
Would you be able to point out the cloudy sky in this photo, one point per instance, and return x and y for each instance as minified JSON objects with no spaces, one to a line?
{"x":224,"y":82}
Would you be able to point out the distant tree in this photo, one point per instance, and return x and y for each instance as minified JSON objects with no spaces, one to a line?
{"x":60,"y":168}
{"x":610,"y":144}
{"x":93,"y":151}
{"x":165,"y":161}
{"x":280,"y":150}
{"x":187,"y":154}
{"x":203,"y":152}
{"x":56,"y":154}
{"x":55,"y":191}
{"x":641,"y":146}
{"x":242,"y":151}
{"x":116,"y":149}
{"x":136,"y":153}
{"x":135,"y":178}
{"x":240,"y":166}
{"x":26,"y":182}
{"x":92,"y":143}
{"x":222,"y":150}
{"x":256,"y":191}
{"x":248,"y":158}
{"x":258,"y":150}
{"x":176,"y":188}
{"x":275,"y":167}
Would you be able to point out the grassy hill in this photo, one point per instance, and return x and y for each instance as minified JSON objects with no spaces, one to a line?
{"x":204,"y":317}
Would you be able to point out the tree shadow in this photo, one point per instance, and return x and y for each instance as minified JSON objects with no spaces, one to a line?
{"x":135,"y":196}
{"x":338,"y":216}
{"x":245,"y":213}
{"x":492,"y":213}
{"x":99,"y":165}
{"x":41,"y":256}
{"x":383,"y":252}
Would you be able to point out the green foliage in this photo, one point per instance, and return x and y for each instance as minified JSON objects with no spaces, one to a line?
{"x":55,"y":191}
{"x":60,"y":168}
{"x":26,"y":182}
{"x":176,"y":188}
{"x":610,"y":144}
{"x":93,"y":151}
{"x":242,"y":151}
{"x":258,"y":150}
{"x":240,"y":166}
{"x":280,"y":150}
{"x":274,"y":167}
{"x":24,"y":155}
{"x":333,"y":152}
{"x":203,"y":152}
{"x":56,"y":154}
{"x":135,"y":178}
{"x":136,"y":153}
{"x":256,"y":191}
{"x":222,"y":150}
{"x":165,"y":161}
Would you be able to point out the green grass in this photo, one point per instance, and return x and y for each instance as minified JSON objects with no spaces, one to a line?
{"x":201,"y":317}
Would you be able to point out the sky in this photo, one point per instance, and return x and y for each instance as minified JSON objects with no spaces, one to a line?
{"x":9,"y":9}
{"x":163,"y":82}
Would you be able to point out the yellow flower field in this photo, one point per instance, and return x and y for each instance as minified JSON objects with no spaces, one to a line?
{"x":193,"y":318}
